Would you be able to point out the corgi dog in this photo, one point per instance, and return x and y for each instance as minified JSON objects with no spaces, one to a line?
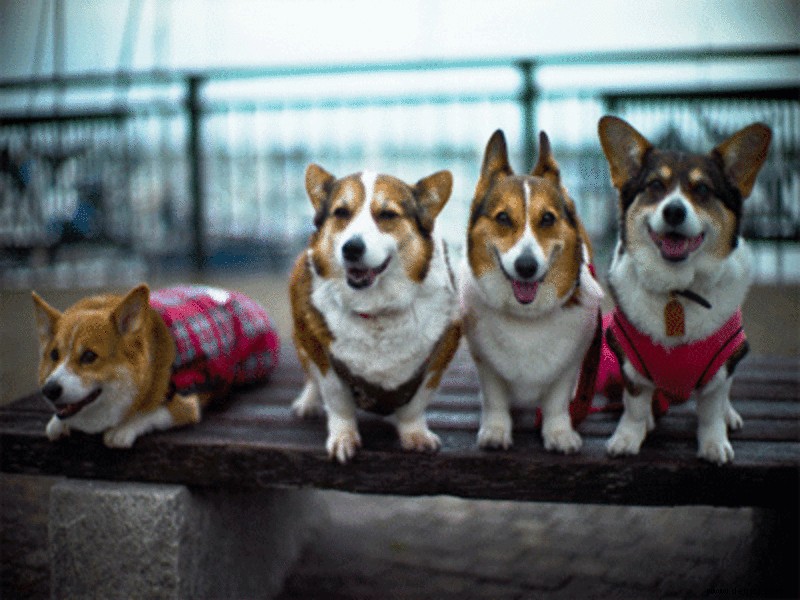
{"x":128,"y":365}
{"x":530,"y":304}
{"x":374,"y":305}
{"x":678,"y":276}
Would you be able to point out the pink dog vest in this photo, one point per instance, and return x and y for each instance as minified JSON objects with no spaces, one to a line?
{"x":222,"y":339}
{"x":675,"y":371}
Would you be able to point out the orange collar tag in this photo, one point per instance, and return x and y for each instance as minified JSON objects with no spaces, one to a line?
{"x":674,"y":319}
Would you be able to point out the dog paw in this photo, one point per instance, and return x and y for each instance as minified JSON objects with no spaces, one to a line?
{"x":495,"y":437}
{"x":420,"y":440}
{"x":342,"y":446}
{"x":119,"y":437}
{"x":624,"y":443}
{"x":564,"y":440}
{"x":56,"y":429}
{"x":718,"y":451}
{"x":733,"y":419}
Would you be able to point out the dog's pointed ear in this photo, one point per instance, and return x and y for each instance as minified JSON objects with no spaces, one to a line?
{"x":742,"y":155}
{"x":546,"y":165}
{"x":495,"y":164}
{"x":129,"y":314}
{"x":318,"y":187}
{"x":495,"y":157}
{"x":624,"y":148}
{"x":46,"y":317}
{"x":432,"y":193}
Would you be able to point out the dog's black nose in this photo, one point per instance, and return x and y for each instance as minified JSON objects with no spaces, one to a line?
{"x":674,"y":213}
{"x":526,"y":265}
{"x":52,"y":390}
{"x":354,"y":249}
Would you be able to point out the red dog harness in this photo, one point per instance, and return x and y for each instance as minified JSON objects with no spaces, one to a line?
{"x":676,"y":371}
{"x":222,"y":338}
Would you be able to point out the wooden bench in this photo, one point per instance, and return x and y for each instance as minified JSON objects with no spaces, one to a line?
{"x":254,"y":442}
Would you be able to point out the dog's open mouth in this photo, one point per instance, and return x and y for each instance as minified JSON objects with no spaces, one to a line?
{"x":524,"y":291}
{"x":69,"y":410}
{"x":360,"y":278}
{"x":675,"y":247}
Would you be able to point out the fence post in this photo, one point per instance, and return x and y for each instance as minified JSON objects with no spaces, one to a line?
{"x":528,"y":96}
{"x":196,"y":173}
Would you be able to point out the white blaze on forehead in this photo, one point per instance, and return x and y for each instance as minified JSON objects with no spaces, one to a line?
{"x":527,"y":243}
{"x":368,"y":179}
{"x":379,"y":245}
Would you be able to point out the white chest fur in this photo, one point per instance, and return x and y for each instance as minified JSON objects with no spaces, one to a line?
{"x":385,"y":333}
{"x":530,"y":354}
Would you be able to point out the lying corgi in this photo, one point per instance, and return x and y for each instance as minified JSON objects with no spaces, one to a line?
{"x":374,"y":305}
{"x":128,"y":365}
{"x":530,"y":305}
{"x":679,"y":275}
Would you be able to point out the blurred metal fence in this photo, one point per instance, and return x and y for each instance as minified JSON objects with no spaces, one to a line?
{"x":204,"y":169}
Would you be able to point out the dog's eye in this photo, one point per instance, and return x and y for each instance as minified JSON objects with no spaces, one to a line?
{"x":87,"y":358}
{"x":54,"y":354}
{"x":341,"y":213}
{"x":656,"y":186}
{"x":701,"y":190}
{"x":387,"y":215}
{"x":548,"y":219}
{"x":503,"y":218}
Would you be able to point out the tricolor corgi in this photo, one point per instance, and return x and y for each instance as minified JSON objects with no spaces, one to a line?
{"x":678,"y":276}
{"x":374,"y":305}
{"x":128,"y":365}
{"x":530,"y":305}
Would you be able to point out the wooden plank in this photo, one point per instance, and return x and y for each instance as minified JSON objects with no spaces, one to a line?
{"x":253,"y":440}
{"x":243,"y":456}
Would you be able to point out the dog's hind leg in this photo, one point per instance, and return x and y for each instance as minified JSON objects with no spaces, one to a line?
{"x":308,"y":403}
{"x":733,"y":419}
{"x":412,"y":426}
{"x":713,"y":413}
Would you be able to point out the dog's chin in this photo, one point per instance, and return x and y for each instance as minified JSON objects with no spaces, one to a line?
{"x":70,"y":410}
{"x":361,"y":278}
{"x":675,"y":247}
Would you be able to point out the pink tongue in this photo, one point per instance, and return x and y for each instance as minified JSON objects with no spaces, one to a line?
{"x":678,"y":247}
{"x":674,"y":246}
{"x":524,"y":292}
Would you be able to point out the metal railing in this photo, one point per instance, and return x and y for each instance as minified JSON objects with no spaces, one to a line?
{"x":207,"y":168}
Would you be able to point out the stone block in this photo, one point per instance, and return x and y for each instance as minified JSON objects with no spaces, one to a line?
{"x":134,"y":540}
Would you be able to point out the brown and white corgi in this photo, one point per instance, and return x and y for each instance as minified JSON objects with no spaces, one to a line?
{"x":678,"y":276}
{"x":374,"y":305}
{"x":530,"y":305}
{"x":128,"y":365}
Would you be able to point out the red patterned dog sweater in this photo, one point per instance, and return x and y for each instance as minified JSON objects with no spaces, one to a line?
{"x":222,"y":338}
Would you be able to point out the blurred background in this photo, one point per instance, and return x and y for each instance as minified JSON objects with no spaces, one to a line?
{"x":166,"y":140}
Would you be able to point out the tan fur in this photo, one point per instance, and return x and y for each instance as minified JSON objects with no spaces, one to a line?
{"x":186,"y":410}
{"x":121,"y":330}
{"x":444,"y":354}
{"x":310,"y":333}
{"x":498,"y":190}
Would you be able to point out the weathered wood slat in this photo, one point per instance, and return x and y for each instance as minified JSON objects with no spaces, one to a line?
{"x":254,"y":441}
